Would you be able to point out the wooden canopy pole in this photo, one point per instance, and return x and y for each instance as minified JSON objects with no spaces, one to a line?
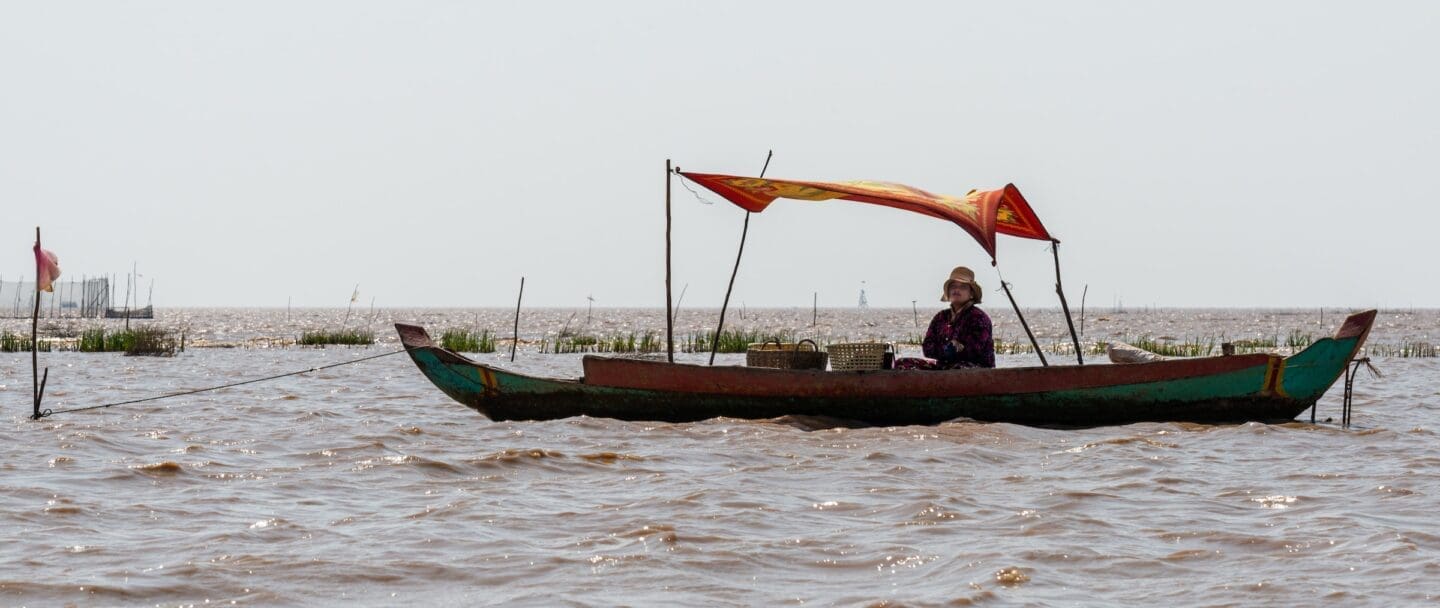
{"x":516,"y":336}
{"x":1064,"y":306}
{"x":669,"y":309}
{"x":715,"y":341}
{"x":1023,"y":324}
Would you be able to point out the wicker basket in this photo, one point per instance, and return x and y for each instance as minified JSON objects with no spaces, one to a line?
{"x":785,"y":355}
{"x":848,"y":356}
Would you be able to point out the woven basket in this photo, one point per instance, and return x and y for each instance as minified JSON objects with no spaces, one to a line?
{"x":785,"y":355}
{"x":848,"y":356}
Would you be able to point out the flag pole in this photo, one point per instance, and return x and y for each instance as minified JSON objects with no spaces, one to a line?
{"x":669,"y":310}
{"x":1064,"y":306}
{"x":38,"y":388}
{"x":715,"y":340}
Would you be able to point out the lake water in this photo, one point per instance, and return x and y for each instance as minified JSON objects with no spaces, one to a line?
{"x":364,"y":485}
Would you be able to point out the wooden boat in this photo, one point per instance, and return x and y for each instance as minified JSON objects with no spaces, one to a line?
{"x":148,"y":312}
{"x":1238,"y":388}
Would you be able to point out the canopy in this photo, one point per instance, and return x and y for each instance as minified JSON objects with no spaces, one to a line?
{"x":982,"y":213}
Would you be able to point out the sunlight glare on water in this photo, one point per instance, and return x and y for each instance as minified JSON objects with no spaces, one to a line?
{"x":364,"y":484}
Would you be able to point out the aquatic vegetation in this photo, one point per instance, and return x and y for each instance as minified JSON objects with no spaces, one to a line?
{"x":467,"y":341}
{"x":17,"y":343}
{"x":1254,"y":344}
{"x":347,"y":337}
{"x":649,"y":342}
{"x":1406,"y":349}
{"x":729,"y":341}
{"x":1004,"y":346}
{"x":571,"y":343}
{"x":151,"y":342}
{"x":733,"y":341}
{"x":1190,"y":347}
{"x":98,"y":340}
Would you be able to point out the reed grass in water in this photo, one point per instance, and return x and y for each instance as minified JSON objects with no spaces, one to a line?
{"x":1191,"y":347}
{"x":733,"y":341}
{"x":345,"y":337}
{"x":18,"y":343}
{"x":1298,"y":340}
{"x":736,"y":341}
{"x":467,"y":341}
{"x":98,"y":340}
{"x":1023,"y":347}
{"x":1406,"y":349}
{"x":150,"y":342}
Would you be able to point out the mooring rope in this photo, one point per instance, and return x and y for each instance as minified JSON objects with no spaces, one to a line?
{"x":47,"y":413}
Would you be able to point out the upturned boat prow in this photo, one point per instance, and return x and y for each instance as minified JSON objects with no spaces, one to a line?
{"x":1224,"y":389}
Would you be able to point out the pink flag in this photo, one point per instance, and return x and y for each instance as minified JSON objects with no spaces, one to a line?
{"x":47,"y":268}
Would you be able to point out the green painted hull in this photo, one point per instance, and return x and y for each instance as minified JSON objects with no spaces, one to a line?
{"x":1217,"y":389}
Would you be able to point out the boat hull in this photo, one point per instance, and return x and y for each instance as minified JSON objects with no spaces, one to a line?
{"x":1264,"y":388}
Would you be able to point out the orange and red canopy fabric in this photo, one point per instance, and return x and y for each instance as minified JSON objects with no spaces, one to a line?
{"x":982,"y":213}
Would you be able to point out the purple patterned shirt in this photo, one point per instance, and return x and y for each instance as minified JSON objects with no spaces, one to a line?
{"x":971,"y":328}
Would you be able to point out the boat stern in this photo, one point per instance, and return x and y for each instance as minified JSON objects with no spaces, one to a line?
{"x":1310,"y":372}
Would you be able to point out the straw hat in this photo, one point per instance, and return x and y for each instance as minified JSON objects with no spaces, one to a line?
{"x":964,"y":275}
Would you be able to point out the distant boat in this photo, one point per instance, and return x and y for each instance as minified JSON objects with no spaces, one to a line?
{"x":130,"y":313}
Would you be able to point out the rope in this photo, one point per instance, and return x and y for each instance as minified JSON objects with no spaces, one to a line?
{"x":692,"y":191}
{"x":47,"y":413}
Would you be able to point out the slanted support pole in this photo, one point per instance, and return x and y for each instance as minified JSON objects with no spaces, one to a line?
{"x":515,"y":336}
{"x":669,"y":308}
{"x":1026,"y":326}
{"x":715,"y":340}
{"x":1065,"y":306}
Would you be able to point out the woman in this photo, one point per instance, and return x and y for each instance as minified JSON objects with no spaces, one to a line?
{"x":959,"y":336}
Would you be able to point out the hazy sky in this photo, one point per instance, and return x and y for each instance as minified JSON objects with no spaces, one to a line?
{"x":1200,"y":154}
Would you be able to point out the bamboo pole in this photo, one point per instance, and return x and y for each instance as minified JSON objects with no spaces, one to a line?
{"x":1023,"y":324}
{"x":38,"y":388}
{"x":744,"y":230}
{"x":351,"y":306}
{"x":128,"y":281}
{"x":669,"y":309}
{"x":1065,"y":306}
{"x":516,"y":335}
{"x":680,"y":300}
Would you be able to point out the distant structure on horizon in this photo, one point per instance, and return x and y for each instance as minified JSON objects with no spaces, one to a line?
{"x":864,"y":303}
{"x":84,"y":299}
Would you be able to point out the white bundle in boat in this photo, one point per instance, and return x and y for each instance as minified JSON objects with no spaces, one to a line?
{"x":1121,"y":352}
